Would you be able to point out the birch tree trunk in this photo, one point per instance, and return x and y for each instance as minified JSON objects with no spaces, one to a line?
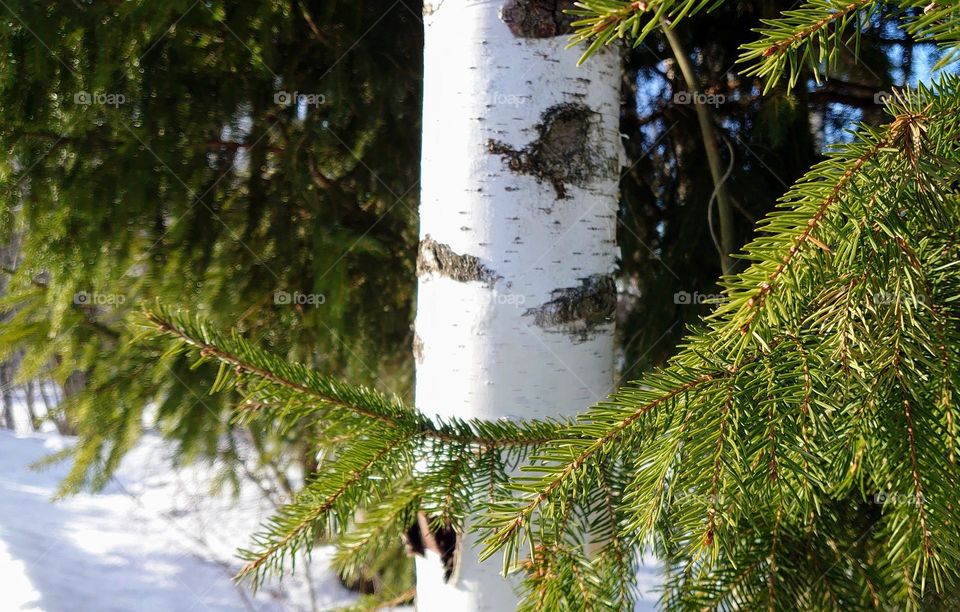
{"x":521,"y":160}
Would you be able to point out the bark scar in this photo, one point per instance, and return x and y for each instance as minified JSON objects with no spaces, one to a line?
{"x":578,"y":311}
{"x":422,"y":536}
{"x":566,"y":150}
{"x":438,"y":258}
{"x":538,"y":18}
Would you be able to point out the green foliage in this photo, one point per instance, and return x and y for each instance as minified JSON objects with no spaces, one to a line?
{"x":603,"y":21}
{"x":811,"y":37}
{"x":821,"y":384}
{"x":938,"y":22}
{"x":384,"y":462}
{"x":800,"y":449}
{"x":147,"y":155}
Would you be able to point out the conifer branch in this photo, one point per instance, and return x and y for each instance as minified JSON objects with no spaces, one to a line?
{"x":363,"y":403}
{"x":677,"y":426}
{"x":316,"y":512}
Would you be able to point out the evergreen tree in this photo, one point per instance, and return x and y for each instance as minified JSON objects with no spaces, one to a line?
{"x":798,"y":450}
{"x":225,"y":157}
{"x":197,"y":185}
{"x":156,"y":197}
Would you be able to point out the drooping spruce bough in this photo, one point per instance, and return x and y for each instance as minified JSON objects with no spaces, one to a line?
{"x":799,"y":451}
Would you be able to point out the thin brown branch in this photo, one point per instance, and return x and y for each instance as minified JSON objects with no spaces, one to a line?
{"x":614,"y":433}
{"x":815,"y":27}
{"x":715,"y":480}
{"x":766,"y":288}
{"x":424,"y":427}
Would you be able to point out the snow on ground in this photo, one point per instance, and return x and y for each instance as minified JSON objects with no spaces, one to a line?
{"x":155,"y":540}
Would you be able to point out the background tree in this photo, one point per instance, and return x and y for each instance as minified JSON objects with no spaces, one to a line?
{"x":222,"y":159}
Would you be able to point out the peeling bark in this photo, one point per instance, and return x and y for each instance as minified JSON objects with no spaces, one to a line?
{"x":578,"y":310}
{"x":417,"y":348}
{"x":538,"y":18}
{"x":438,"y":258}
{"x":565,"y":152}
{"x":429,"y":8}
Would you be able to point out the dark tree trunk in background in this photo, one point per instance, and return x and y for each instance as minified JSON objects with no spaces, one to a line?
{"x":31,"y":406}
{"x":7,"y":397}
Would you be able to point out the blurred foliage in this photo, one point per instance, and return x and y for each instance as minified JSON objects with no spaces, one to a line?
{"x":230,"y":158}
{"x":150,"y":150}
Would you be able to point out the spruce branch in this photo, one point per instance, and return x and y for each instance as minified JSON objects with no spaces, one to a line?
{"x":811,"y":36}
{"x":935,"y":22}
{"x":752,"y":402}
{"x":330,"y":500}
{"x":299,"y":383}
{"x":602,"y":22}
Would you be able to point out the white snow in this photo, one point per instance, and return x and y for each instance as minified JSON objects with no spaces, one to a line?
{"x":155,"y":539}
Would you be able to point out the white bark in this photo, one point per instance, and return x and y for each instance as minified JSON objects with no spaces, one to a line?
{"x":530,"y":203}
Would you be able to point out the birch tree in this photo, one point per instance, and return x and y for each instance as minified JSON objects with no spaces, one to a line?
{"x":798,"y":451}
{"x":520,"y":166}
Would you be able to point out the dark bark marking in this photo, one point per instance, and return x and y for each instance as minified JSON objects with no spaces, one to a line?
{"x":565,"y":152}
{"x":578,"y":310}
{"x":538,"y":18}
{"x":422,"y":536}
{"x":435,"y":257}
